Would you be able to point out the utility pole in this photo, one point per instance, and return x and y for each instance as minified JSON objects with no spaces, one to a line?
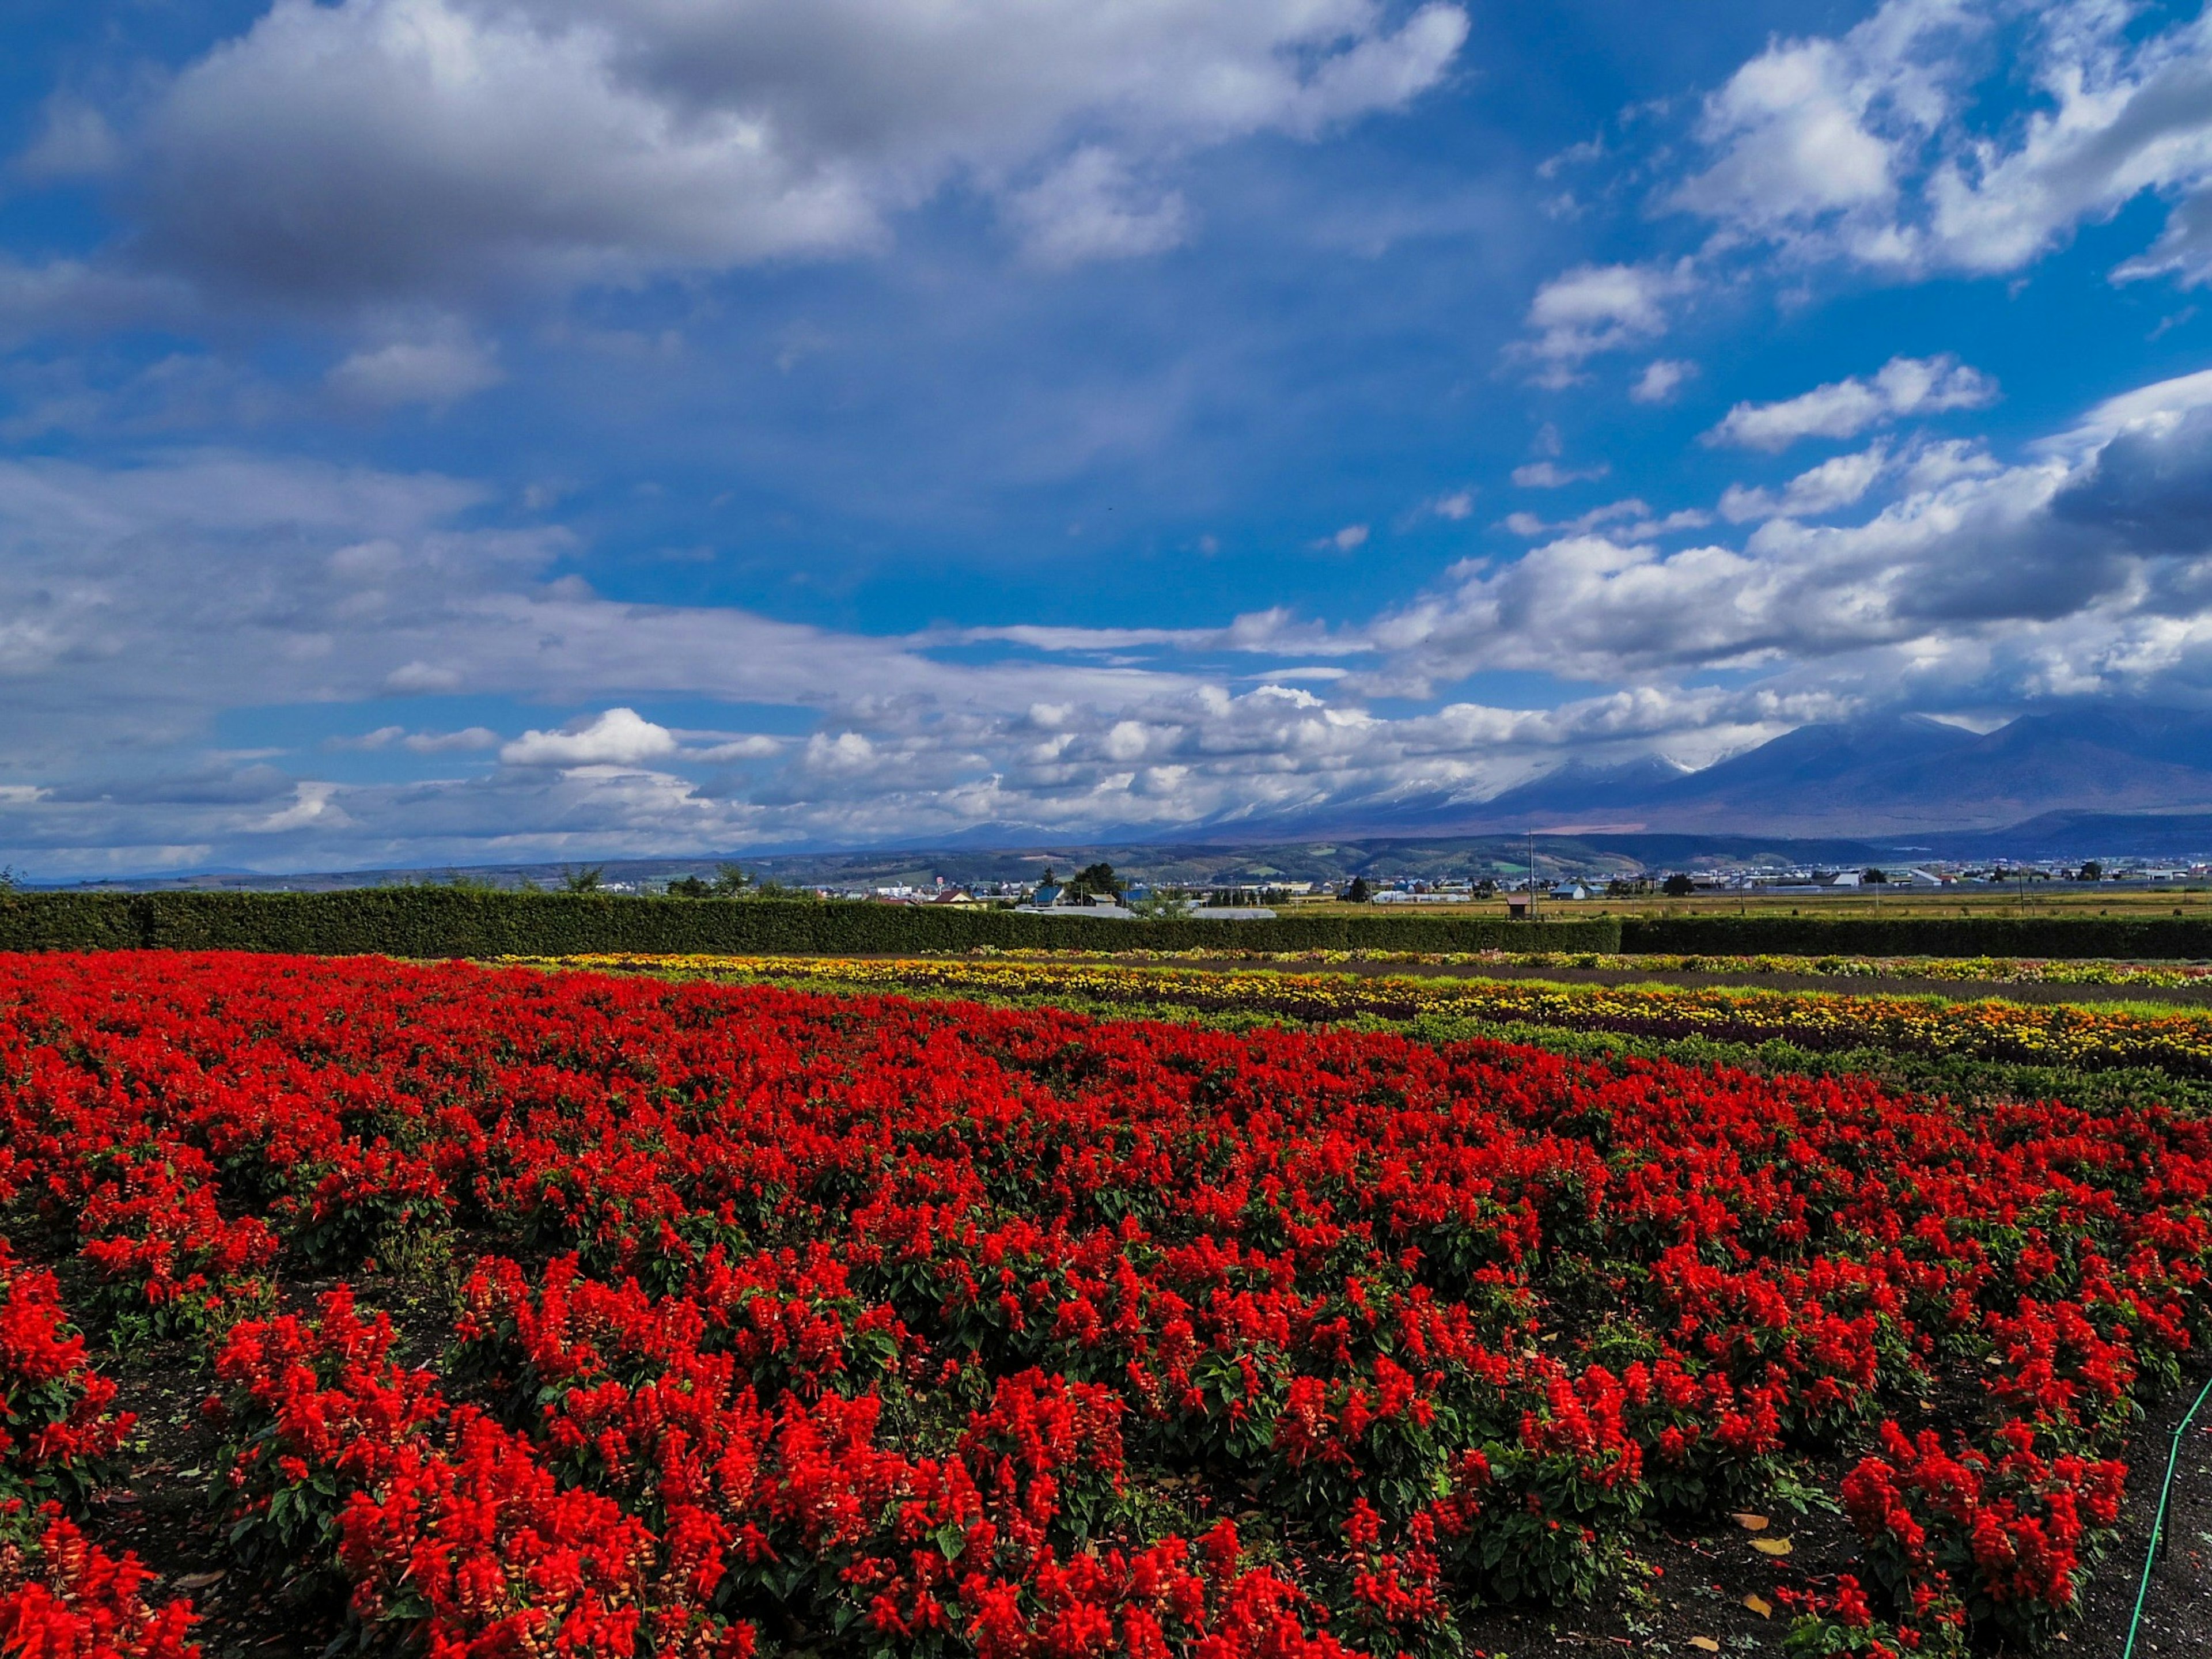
{"x":1532,"y":875}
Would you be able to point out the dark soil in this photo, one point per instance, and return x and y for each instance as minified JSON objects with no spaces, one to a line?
{"x":164,"y":1509}
{"x":1684,"y":1583}
{"x":2177,"y":1616}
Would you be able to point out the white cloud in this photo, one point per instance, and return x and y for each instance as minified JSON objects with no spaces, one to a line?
{"x":470,"y":739}
{"x":375,"y":148}
{"x":2157,"y":408}
{"x":1596,"y":308}
{"x":1550,"y":475}
{"x":1350,"y":539}
{"x":1817,"y":134}
{"x":1837,"y":482}
{"x":1088,"y":208}
{"x":2086,"y":568}
{"x":620,"y":737}
{"x":755,"y":746}
{"x":1662,"y":379}
{"x":423,"y":677}
{"x":1844,"y":409}
{"x":1633,"y":515}
{"x":437,"y":371}
{"x":1863,"y":146}
{"x":314,"y":806}
{"x":1456,"y":506}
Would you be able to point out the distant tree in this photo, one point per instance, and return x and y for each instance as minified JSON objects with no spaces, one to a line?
{"x":689,"y":887}
{"x":1096,"y":879}
{"x":730,"y":881}
{"x":2092,"y":871}
{"x":1359,"y":892}
{"x":10,"y":878}
{"x":1678,"y":886}
{"x":1873,"y":876}
{"x":591,"y":878}
{"x":1162,"y":905}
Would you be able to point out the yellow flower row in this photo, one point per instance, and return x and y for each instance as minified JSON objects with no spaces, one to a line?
{"x":2053,"y":1035}
{"x":2015,"y":970}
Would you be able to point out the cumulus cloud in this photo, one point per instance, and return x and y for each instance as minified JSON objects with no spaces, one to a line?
{"x":375,"y":148}
{"x":1597,"y":308}
{"x":1844,"y":409}
{"x":2086,"y":568}
{"x":1837,"y":482}
{"x":1864,"y":146}
{"x":620,"y":737}
{"x":1662,"y":377}
{"x":1815,"y":134}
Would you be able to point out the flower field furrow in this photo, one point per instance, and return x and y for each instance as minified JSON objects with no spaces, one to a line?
{"x":858,"y":1324}
{"x":2057,"y":1035}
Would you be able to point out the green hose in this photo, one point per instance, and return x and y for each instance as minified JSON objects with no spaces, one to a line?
{"x":2158,"y":1521}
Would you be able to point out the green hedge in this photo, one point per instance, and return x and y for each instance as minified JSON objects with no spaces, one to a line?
{"x":435,"y":921}
{"x":2157,"y":937}
{"x":445,"y":921}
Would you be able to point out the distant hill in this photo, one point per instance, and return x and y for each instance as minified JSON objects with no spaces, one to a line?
{"x":1875,"y":779}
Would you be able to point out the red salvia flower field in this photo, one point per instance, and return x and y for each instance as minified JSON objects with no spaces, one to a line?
{"x":782,"y":1321}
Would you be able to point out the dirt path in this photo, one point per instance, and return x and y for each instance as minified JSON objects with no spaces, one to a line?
{"x":2175,"y":1611}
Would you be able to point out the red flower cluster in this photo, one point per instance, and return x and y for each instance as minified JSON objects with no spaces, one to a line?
{"x":2010,"y":1524}
{"x":56,"y":1427}
{"x":941,"y":1328}
{"x":62,"y":1598}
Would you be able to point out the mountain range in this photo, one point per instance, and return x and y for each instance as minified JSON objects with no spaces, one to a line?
{"x":1881,"y":778}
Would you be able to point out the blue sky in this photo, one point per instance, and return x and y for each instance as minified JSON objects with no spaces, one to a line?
{"x":440,"y":430}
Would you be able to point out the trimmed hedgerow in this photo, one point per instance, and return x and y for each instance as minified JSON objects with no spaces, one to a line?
{"x":433,"y":921}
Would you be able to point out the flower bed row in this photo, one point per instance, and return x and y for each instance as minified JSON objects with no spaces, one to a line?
{"x":2083,"y":1037}
{"x":1985,"y":970}
{"x":868,"y":1324}
{"x":1981,"y":970}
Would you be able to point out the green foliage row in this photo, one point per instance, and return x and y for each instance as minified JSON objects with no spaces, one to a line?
{"x":2134,"y":938}
{"x":445,"y":921}
{"x":441,"y":922}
